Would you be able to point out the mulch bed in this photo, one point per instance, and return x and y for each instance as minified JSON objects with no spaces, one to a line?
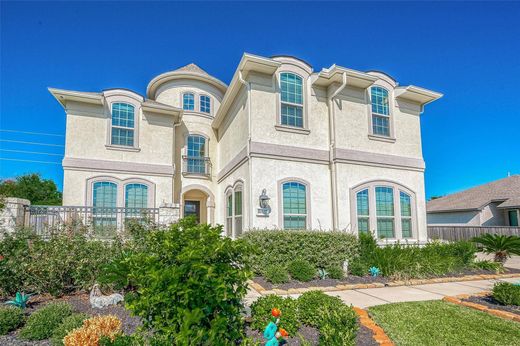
{"x":353,"y":280}
{"x":491,"y":303}
{"x":364,"y":337}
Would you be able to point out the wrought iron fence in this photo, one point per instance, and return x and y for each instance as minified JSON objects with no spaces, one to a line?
{"x":196,"y":165}
{"x":102,"y":222}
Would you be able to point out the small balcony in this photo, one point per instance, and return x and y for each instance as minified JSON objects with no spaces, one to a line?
{"x":196,"y":165}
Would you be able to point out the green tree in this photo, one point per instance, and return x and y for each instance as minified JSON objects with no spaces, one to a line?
{"x":32,"y":187}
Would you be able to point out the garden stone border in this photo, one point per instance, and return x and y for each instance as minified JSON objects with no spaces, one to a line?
{"x":414,"y":282}
{"x":379,"y":334}
{"x":499,"y":313}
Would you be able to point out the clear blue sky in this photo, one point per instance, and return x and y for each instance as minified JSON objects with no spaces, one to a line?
{"x":468,"y":51}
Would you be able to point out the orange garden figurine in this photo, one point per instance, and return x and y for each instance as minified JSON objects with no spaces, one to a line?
{"x":274,"y":335}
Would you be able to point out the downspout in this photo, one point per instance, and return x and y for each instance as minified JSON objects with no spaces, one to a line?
{"x":175,"y":125}
{"x":249,"y":163}
{"x":332,"y":146}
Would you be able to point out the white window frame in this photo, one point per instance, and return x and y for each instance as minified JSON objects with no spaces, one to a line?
{"x":194,"y":101}
{"x":128,"y":97}
{"x":210,"y":104}
{"x":281,"y":215}
{"x":231,"y":220}
{"x":390,"y":116}
{"x":372,"y":227}
{"x":288,"y":128}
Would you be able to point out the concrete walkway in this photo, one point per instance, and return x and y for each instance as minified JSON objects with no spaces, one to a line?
{"x":376,"y":296}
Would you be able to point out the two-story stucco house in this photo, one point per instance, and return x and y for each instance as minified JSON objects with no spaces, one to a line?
{"x":330,"y":149}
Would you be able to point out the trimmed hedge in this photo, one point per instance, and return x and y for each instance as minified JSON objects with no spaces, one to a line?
{"x":321,"y":249}
{"x":506,"y":293}
{"x":302,"y":270}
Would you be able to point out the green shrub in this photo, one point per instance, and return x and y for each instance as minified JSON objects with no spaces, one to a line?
{"x":123,"y":340}
{"x":276,"y":274}
{"x":309,"y":304}
{"x":261,"y":313}
{"x":503,"y":246}
{"x":10,"y":319}
{"x":69,"y":323}
{"x":41,"y":323}
{"x":409,"y":261}
{"x":321,"y":249}
{"x":336,"y":272}
{"x":339,"y":326}
{"x":63,"y":263}
{"x":506,"y":293}
{"x":489,"y":265}
{"x":190,"y":282}
{"x":301,"y":270}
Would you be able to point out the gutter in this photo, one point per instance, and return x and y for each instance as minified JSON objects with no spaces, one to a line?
{"x":248,"y":154}
{"x":332,"y":146}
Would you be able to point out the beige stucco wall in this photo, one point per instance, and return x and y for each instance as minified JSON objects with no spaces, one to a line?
{"x":170,"y":93}
{"x":267,"y":174}
{"x":75,"y":186}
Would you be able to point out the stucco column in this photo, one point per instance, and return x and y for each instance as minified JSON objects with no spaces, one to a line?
{"x":13,"y":214}
{"x":210,"y":211}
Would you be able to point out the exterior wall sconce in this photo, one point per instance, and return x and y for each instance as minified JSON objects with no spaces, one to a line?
{"x":263,"y":201}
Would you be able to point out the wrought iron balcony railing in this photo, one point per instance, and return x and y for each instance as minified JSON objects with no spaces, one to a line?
{"x":196,"y":165}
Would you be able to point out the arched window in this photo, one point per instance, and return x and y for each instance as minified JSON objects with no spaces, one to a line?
{"x":380,"y":111}
{"x":196,"y":154}
{"x":188,"y":102}
{"x":136,"y":196}
{"x":291,"y":99}
{"x":386,"y":208}
{"x":294,"y":203}
{"x":234,"y":210}
{"x":205,"y":104}
{"x":122,"y":124}
{"x":104,"y":203}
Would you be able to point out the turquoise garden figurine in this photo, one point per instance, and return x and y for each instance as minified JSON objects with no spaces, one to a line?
{"x":273,"y":334}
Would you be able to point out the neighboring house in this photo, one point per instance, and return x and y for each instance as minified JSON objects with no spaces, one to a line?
{"x":333,"y":149}
{"x":493,"y":204}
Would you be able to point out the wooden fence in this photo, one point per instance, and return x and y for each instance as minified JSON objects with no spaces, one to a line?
{"x":454,"y":233}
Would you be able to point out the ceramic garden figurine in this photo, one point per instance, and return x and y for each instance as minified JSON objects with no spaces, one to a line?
{"x":374,"y":271}
{"x":274,"y":335}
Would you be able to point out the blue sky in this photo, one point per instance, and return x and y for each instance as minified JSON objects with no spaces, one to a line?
{"x":468,"y":51}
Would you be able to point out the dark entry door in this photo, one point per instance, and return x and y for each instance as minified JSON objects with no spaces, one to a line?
{"x":192,"y":208}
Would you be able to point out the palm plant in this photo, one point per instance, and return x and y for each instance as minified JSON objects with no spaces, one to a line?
{"x":501,"y":245}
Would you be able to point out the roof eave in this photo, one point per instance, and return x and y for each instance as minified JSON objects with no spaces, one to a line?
{"x":162,"y":109}
{"x":248,"y":63}
{"x":154,"y":84}
{"x":62,"y":96}
{"x":335,"y":73}
{"x":451,"y":210}
{"x":417,"y":94}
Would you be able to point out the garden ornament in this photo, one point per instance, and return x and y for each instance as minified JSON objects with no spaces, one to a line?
{"x":98,"y":300}
{"x":263,"y":201}
{"x":374,"y":271}
{"x":20,"y":300}
{"x":274,"y":335}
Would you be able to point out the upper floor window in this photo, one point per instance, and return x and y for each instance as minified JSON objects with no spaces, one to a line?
{"x":294,"y":205}
{"x":188,"y":102}
{"x":196,"y":154}
{"x":386,"y":208}
{"x":291,"y":99}
{"x":205,"y":104}
{"x":380,"y":111}
{"x":123,"y":124}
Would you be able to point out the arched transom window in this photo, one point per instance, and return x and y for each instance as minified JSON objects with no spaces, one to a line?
{"x":291,"y":99}
{"x":380,"y":111}
{"x":386,"y":208}
{"x":294,"y":204}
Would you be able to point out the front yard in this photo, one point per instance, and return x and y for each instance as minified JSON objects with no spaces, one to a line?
{"x":442,"y":323}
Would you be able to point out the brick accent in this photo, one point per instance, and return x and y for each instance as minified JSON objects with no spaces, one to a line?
{"x":379,"y":334}
{"x":499,"y":313}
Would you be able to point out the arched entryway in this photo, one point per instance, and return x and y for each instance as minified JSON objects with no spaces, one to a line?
{"x":198,"y":201}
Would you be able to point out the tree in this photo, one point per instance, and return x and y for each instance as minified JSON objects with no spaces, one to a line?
{"x":32,"y":187}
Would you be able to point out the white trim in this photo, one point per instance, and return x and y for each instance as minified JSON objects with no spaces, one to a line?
{"x":121,"y":186}
{"x":307,"y":185}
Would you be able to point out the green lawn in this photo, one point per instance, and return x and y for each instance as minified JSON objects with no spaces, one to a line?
{"x":441,"y":323}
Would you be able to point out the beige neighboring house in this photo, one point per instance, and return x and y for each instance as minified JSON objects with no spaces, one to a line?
{"x":493,"y":204}
{"x":281,"y":146}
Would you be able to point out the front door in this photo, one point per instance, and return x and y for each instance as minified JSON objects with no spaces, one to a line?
{"x":513,"y":218}
{"x":192,"y":208}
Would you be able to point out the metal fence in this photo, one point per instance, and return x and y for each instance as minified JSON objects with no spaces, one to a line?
{"x":196,"y":165}
{"x":102,"y":222}
{"x":454,"y":233}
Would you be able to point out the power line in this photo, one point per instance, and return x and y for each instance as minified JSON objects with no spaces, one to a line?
{"x":33,"y":133}
{"x":36,"y":161}
{"x":34,"y":143}
{"x":30,"y":152}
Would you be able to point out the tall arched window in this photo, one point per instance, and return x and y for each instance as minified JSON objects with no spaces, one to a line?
{"x":188,"y":102}
{"x":104,"y":203}
{"x":380,"y":111}
{"x":234,"y":210}
{"x":291,"y":99}
{"x":122,"y":124}
{"x":294,"y":203}
{"x":385,"y":208}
